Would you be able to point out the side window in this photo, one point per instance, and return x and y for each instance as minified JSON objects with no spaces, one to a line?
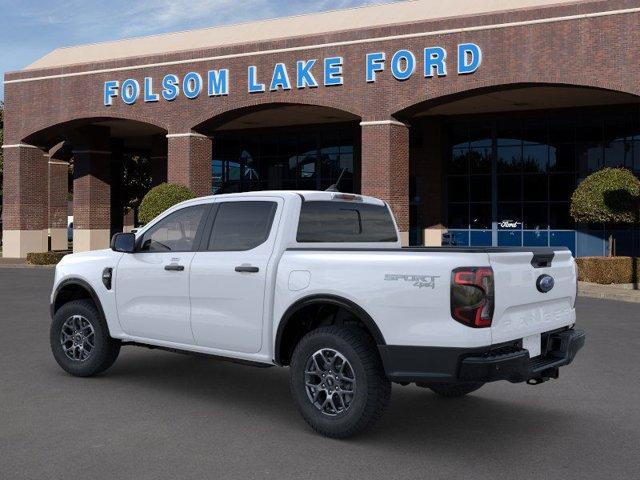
{"x":241,"y":225}
{"x":176,"y":232}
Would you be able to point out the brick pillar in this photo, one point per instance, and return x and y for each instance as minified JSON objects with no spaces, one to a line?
{"x":91,"y":190}
{"x":58,"y":190}
{"x":158,"y":160}
{"x":25,"y":201}
{"x":189,"y":161}
{"x":385,"y":168}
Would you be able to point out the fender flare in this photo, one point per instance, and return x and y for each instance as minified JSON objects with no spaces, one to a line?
{"x":348,"y":305}
{"x":84,"y":285}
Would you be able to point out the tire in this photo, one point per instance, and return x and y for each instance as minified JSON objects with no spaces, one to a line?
{"x":455,"y":390}
{"x":371,"y":390}
{"x":90,"y":357}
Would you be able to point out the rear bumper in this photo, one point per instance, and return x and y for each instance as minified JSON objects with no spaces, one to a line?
{"x":487,"y":364}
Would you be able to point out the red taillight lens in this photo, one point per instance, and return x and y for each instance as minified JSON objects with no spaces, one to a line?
{"x":472,"y":297}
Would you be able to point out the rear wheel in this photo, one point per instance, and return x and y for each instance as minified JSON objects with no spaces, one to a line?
{"x":80,"y":340}
{"x":337,"y":381}
{"x":454,"y":390}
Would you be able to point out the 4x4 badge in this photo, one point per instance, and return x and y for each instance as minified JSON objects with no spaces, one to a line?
{"x":420,"y":281}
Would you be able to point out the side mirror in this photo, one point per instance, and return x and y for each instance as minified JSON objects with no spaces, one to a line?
{"x":123,"y":242}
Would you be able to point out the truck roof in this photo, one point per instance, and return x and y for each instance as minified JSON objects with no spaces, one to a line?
{"x":307,"y":195}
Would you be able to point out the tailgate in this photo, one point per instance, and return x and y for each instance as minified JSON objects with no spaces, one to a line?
{"x":521,"y":309}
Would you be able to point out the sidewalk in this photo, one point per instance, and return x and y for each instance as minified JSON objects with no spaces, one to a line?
{"x":622,"y":292}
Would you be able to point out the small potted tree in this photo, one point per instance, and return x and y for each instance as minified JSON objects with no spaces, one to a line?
{"x":608,"y":196}
{"x":160,"y":198}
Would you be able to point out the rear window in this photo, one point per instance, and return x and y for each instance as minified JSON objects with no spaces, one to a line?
{"x":341,"y":222}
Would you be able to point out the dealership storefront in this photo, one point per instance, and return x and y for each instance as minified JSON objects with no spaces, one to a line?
{"x":474,"y":123}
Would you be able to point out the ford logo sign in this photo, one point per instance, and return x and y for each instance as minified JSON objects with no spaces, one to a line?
{"x":545,"y":283}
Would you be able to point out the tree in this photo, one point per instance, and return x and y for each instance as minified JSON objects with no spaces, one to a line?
{"x":162,"y":197}
{"x":608,"y":196}
{"x":136,"y":182}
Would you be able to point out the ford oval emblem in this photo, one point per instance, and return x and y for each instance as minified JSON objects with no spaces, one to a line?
{"x":545,"y":283}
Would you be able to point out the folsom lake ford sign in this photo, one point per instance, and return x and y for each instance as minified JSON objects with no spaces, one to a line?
{"x":309,"y":73}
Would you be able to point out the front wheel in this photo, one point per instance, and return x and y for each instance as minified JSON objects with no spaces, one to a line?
{"x":80,"y":340}
{"x":338,"y":382}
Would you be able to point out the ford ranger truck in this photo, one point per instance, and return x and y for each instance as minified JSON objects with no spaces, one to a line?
{"x":318,"y":282}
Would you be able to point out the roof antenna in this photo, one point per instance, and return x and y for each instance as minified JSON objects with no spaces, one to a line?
{"x":334,"y":187}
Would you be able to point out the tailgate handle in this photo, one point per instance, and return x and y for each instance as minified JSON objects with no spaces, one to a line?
{"x":542,"y":260}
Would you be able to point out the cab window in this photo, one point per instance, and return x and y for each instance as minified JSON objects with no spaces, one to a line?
{"x":241,"y":226}
{"x":175,"y":233}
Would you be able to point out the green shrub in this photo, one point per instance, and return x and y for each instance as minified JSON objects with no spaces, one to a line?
{"x":607,"y":270}
{"x":45,"y":258}
{"x":610,"y":195}
{"x":160,"y":198}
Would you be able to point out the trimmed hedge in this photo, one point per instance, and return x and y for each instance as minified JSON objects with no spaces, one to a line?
{"x":607,"y":270}
{"x":45,"y":258}
{"x":160,"y":198}
{"x":609,"y":195}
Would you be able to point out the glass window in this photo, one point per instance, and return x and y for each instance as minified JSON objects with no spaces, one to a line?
{"x":458,"y":215}
{"x":459,"y":161}
{"x":535,"y":158}
{"x":480,"y":159}
{"x":241,"y":226}
{"x":336,"y":221}
{"x":458,"y":188}
{"x":561,"y":187}
{"x":176,"y":232}
{"x":509,"y":159}
{"x":480,"y":216}
{"x":509,"y":188}
{"x":510,"y":216}
{"x":535,"y":216}
{"x":535,"y":187}
{"x":559,"y":216}
{"x":480,"y":188}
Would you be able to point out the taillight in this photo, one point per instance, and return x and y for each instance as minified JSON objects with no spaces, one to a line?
{"x":472,"y":298}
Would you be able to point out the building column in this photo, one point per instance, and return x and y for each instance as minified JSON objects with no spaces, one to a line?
{"x":24,"y":201}
{"x":92,"y":190}
{"x":189,"y":161}
{"x":58,"y":190}
{"x":385,"y":168}
{"x":158,"y":160}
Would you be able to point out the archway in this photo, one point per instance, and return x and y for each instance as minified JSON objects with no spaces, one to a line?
{"x":97,"y":171}
{"x":284,"y":146}
{"x":497,"y":166}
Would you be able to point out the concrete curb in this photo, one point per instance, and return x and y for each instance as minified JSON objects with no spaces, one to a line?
{"x":622,"y":293}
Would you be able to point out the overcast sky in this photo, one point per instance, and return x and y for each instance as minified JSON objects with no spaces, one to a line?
{"x":31,"y":28}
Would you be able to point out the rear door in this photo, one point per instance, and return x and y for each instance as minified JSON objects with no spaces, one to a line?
{"x":228,"y":277}
{"x":523,"y":308}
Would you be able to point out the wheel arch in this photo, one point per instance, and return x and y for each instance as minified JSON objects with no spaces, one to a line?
{"x":75,"y":289}
{"x":289,"y":318}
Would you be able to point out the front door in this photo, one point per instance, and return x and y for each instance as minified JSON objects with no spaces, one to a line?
{"x":228,"y":275}
{"x":152,"y":285}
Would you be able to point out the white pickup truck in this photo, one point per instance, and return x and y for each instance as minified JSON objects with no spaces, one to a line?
{"x":319,"y":282}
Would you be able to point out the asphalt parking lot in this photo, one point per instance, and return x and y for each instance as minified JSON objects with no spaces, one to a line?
{"x":159,"y":415}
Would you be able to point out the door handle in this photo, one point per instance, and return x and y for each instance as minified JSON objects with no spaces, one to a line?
{"x":247,"y":269}
{"x":174,"y":268}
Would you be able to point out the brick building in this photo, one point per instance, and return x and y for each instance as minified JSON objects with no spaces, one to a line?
{"x":474,"y":118}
